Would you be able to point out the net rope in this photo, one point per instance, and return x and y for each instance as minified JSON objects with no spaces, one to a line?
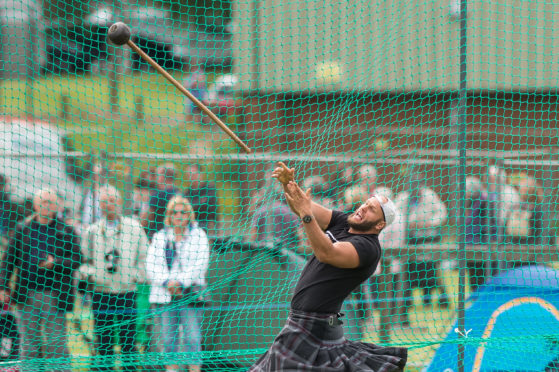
{"x":358,"y":97}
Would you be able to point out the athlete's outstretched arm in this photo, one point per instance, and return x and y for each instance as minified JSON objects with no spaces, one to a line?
{"x":285,"y":175}
{"x":340,"y":254}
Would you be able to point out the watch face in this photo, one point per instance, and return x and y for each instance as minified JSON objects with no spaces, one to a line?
{"x":307,"y":219}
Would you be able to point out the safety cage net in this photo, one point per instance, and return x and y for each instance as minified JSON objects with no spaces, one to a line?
{"x":142,"y":230}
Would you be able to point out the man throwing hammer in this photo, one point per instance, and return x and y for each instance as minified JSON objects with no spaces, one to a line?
{"x":346,"y":252}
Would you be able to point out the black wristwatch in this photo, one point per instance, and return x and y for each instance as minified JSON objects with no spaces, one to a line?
{"x":307,"y":218}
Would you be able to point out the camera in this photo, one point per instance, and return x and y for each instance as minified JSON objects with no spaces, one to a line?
{"x":111,"y":261}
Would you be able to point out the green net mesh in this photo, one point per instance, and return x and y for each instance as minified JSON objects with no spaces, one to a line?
{"x":359,"y":97}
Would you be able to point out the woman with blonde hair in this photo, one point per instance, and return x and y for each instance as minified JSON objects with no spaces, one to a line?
{"x":176,"y":265}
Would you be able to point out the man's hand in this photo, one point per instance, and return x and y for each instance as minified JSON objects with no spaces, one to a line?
{"x":299,"y":201}
{"x":284,"y":174}
{"x":174,"y":288}
{"x":48,"y":264}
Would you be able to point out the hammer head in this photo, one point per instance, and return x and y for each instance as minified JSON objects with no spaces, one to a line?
{"x":119,"y":33}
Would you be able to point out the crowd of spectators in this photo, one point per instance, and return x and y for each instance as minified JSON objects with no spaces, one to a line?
{"x":165,"y":243}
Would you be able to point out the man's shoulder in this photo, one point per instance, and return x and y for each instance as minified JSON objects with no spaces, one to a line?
{"x":199,"y":232}
{"x":158,"y":236}
{"x":131,"y":223}
{"x":338,"y":219}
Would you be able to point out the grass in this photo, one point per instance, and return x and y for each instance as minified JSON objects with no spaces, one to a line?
{"x":429,"y":327}
{"x":81,"y":106}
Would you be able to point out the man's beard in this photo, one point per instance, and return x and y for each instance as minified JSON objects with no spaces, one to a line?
{"x":361,"y":226}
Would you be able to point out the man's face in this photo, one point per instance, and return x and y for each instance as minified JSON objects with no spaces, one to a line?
{"x":46,"y":204}
{"x":367,"y":216}
{"x":180,"y":215}
{"x":193,"y":174}
{"x":161,"y":180}
{"x":109,"y":204}
{"x":96,"y":174}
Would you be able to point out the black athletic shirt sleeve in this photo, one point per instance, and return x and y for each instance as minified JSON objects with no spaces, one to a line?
{"x":368,"y":253}
{"x":322,"y":287}
{"x":366,"y":248}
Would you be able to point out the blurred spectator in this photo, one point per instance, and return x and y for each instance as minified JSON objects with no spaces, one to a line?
{"x":10,"y":211}
{"x":478,"y":227}
{"x":203,"y":198}
{"x":526,"y":223}
{"x":46,"y":252}
{"x":274,"y":222}
{"x":114,"y":250}
{"x":152,"y":174}
{"x":503,"y":200}
{"x":221,"y":95}
{"x":425,"y":214}
{"x":197,"y":85}
{"x":368,"y":179}
{"x":153,"y":218}
{"x":354,"y":196}
{"x":343,"y":179}
{"x":176,"y":265}
{"x":143,"y":188}
{"x":90,"y":209}
{"x":319,"y":190}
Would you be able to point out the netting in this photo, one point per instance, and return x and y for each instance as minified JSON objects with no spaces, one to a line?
{"x":137,"y":235}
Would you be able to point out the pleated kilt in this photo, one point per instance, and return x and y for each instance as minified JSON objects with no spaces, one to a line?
{"x":316,"y":342}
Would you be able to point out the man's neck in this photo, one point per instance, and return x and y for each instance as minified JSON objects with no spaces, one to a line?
{"x":112,"y":218}
{"x":179,"y":230}
{"x":372,"y":231}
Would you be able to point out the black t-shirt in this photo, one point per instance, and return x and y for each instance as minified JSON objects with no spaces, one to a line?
{"x":204,"y":202}
{"x":322,"y":288}
{"x":158,"y":204}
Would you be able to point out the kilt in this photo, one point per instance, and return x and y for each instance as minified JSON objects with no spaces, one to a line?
{"x":316,"y":342}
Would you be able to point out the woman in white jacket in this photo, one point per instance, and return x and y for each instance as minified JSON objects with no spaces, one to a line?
{"x":176,"y":265}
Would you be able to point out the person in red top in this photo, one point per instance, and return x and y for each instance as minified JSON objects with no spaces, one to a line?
{"x":346,"y":251}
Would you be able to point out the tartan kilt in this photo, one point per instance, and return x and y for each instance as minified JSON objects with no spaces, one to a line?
{"x":316,"y":342}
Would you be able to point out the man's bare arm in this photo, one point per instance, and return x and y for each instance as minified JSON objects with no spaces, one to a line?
{"x":341,"y":254}
{"x":285,"y":175}
{"x":322,"y":215}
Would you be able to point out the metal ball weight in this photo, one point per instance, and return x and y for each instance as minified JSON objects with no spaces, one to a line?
{"x":119,"y":33}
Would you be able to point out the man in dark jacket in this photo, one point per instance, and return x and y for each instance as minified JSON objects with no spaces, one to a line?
{"x":203,"y":197}
{"x":10,"y":211}
{"x":45,"y":251}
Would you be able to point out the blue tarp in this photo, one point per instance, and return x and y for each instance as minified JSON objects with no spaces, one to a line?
{"x":512,"y":324}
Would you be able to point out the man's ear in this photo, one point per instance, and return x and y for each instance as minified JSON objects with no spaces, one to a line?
{"x":380,"y":225}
